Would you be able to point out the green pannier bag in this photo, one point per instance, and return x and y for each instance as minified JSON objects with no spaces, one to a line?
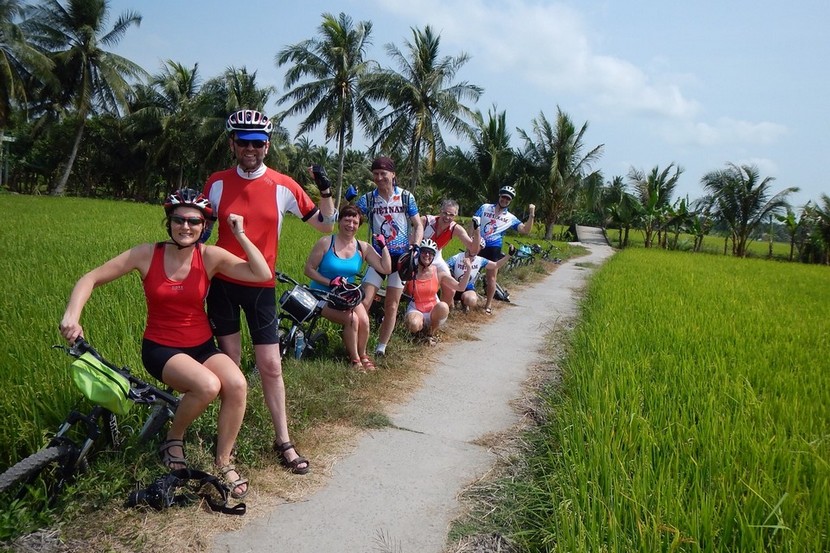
{"x":101,"y":384}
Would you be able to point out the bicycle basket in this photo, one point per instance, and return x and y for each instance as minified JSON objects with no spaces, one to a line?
{"x":101,"y":385}
{"x":298,"y":303}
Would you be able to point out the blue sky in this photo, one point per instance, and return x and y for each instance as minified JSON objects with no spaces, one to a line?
{"x":699,"y":83}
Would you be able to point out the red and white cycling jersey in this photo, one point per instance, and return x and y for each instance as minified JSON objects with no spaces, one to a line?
{"x":262,"y":198}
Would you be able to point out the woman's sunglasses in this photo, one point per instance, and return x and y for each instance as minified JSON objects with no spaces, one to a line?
{"x":242,"y":143}
{"x":192,"y":221}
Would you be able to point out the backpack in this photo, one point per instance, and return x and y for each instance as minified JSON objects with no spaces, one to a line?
{"x":165,"y":492}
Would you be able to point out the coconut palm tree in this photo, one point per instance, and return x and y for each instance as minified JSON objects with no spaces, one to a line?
{"x":654,"y":191}
{"x":19,"y":61}
{"x":335,"y":65}
{"x":421,"y":98}
{"x":744,"y":200}
{"x":556,"y":164}
{"x":167,"y":112}
{"x":90,"y":79}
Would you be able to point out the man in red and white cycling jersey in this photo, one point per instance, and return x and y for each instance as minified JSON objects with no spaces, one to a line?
{"x":262,"y":196}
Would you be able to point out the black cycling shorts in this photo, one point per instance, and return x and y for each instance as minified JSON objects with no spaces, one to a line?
{"x":224,"y":301}
{"x":155,"y":356}
{"x":491,"y":253}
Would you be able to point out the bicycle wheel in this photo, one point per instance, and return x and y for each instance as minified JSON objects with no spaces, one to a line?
{"x":316,"y":343}
{"x":159,"y":415}
{"x":51,"y":462}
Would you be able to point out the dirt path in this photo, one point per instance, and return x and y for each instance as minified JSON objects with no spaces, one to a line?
{"x":397,"y":491}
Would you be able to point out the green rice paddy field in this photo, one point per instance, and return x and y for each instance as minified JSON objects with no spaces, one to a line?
{"x":694,"y":414}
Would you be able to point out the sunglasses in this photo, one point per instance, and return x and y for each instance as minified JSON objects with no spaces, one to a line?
{"x":242,"y":143}
{"x":192,"y":221}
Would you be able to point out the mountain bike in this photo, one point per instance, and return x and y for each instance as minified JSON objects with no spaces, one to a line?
{"x":80,"y":434}
{"x":300,"y":311}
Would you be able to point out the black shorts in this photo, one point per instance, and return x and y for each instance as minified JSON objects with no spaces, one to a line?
{"x":224,"y":301}
{"x":155,"y":356}
{"x":491,"y":253}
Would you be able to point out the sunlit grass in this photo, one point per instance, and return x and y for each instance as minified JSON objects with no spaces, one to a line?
{"x":694,"y":414}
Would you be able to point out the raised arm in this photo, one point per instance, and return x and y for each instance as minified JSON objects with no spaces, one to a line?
{"x":458,"y":285}
{"x":324,"y":222}
{"x":417,"y":230}
{"x":381,"y":262}
{"x":255,"y":269}
{"x":472,"y":243}
{"x":137,"y":258}
{"x":527,"y":226}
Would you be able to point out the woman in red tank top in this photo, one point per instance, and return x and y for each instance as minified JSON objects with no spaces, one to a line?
{"x":178,"y":346}
{"x":426,"y":312}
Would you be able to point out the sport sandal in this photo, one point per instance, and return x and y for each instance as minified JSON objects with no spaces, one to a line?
{"x":168,"y":459}
{"x":233,"y":484}
{"x":293,"y":466}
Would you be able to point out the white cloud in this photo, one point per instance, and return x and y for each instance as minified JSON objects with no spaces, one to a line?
{"x":724,"y":131}
{"x":547,"y":46}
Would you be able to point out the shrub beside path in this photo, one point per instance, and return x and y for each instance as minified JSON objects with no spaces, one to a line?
{"x":398,"y":489}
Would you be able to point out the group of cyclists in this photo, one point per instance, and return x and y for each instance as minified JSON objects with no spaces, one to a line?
{"x":197,"y":352}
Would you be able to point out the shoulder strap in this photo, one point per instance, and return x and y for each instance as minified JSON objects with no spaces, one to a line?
{"x":203,"y":478}
{"x":370,"y":205}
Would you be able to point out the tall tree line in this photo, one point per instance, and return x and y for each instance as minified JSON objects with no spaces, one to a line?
{"x":89,"y":122}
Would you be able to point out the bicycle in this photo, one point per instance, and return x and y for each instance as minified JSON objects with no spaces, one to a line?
{"x":67,"y":453}
{"x":302,"y":309}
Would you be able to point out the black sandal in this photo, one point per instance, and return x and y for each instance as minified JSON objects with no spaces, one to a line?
{"x":293,"y":466}
{"x":169,"y":459}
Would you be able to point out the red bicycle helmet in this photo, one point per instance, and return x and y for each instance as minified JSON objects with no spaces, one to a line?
{"x":345,"y":296}
{"x":190,"y":198}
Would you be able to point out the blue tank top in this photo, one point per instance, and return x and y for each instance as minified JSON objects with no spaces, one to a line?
{"x":332,"y":265}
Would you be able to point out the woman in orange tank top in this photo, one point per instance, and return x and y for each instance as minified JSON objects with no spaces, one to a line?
{"x":426,"y":313}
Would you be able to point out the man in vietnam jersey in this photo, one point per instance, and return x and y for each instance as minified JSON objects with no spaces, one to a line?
{"x":496,"y":219}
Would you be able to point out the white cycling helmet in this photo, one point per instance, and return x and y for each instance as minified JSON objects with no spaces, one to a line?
{"x":508,"y":191}
{"x":249,"y":124}
{"x":428,"y":244}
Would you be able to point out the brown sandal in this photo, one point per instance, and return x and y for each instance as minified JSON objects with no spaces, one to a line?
{"x":233,"y":484}
{"x":168,"y":459}
{"x":293,"y":466}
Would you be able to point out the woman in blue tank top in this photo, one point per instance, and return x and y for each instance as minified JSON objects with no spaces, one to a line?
{"x":341,"y":256}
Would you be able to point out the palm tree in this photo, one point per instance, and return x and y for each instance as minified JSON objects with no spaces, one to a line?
{"x":743,"y":200}
{"x":336,"y":66}
{"x":472,"y":177}
{"x":820,"y":214}
{"x":654,"y":192}
{"x":421,"y":98}
{"x":19,"y":61}
{"x":556,"y":163}
{"x":91,"y":79}
{"x":167,"y":111}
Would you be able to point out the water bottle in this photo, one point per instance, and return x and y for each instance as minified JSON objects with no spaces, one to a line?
{"x":299,"y":344}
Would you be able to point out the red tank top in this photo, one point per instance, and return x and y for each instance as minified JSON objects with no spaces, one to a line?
{"x":431,"y":231}
{"x":176,"y":309}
